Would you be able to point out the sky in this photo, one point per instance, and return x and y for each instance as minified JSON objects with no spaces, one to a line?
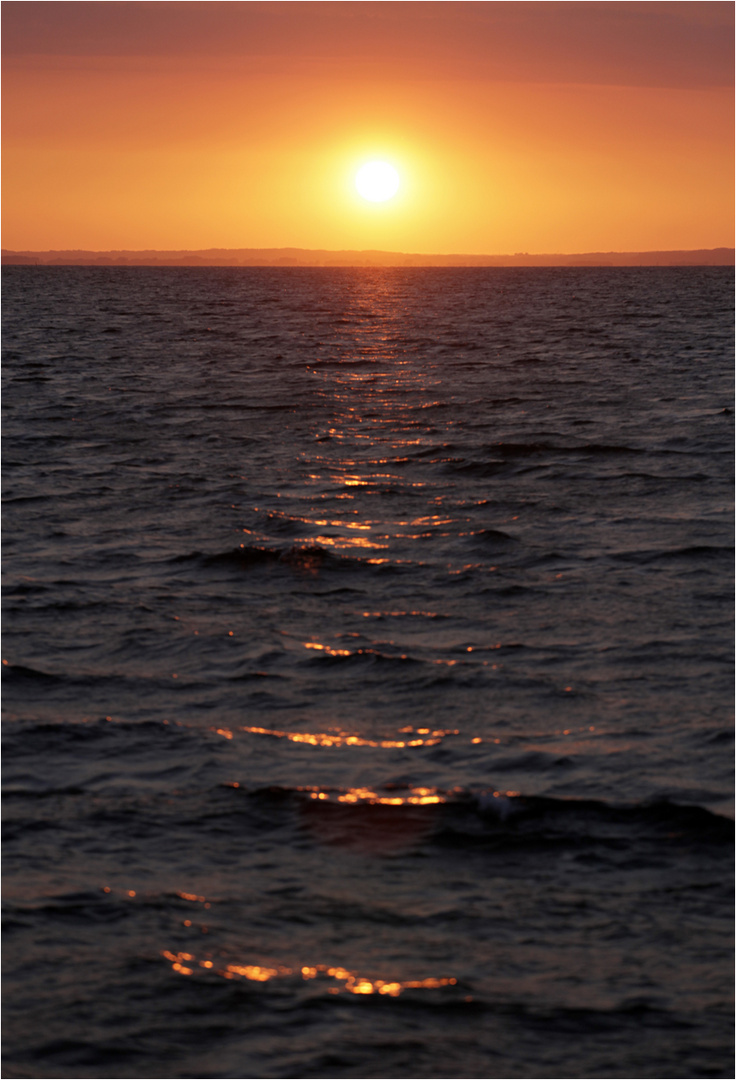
{"x":524,"y":126}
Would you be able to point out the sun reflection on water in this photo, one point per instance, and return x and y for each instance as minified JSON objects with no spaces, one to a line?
{"x":422,"y":737}
{"x":348,"y":541}
{"x":348,"y":982}
{"x":371,"y":390}
{"x":420,"y":796}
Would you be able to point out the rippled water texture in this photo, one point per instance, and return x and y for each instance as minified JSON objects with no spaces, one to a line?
{"x":368,"y":672}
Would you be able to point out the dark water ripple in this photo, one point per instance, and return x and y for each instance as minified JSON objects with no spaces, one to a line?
{"x":368,"y":672}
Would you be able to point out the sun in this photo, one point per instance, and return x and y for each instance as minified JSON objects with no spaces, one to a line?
{"x":377,"y":181}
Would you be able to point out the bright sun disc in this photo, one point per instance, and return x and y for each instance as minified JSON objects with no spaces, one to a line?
{"x":377,"y":181}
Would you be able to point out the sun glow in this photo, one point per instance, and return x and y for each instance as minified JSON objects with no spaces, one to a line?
{"x":377,"y":181}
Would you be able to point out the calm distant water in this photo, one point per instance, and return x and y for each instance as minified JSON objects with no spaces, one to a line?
{"x":368,"y":680}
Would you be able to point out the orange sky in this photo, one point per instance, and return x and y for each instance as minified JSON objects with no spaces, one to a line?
{"x":540,"y":127}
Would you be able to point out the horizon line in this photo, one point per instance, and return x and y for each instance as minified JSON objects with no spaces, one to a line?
{"x":296,"y":256}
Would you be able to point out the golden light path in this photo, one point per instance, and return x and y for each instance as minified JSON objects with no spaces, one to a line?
{"x":421,"y":737}
{"x":186,"y":963}
{"x":416,"y":797}
{"x":419,"y":796}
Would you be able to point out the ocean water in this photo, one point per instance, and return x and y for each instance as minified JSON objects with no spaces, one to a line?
{"x":368,"y":672}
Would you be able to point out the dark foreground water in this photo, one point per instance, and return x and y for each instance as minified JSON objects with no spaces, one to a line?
{"x":368,"y":676}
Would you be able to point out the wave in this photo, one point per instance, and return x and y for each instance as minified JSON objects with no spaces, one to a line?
{"x":495,"y":536}
{"x":21,"y":673}
{"x":693,"y":552}
{"x":304,"y":558}
{"x":502,"y":454}
{"x":464,"y":816}
{"x":487,"y":817}
{"x":250,"y":555}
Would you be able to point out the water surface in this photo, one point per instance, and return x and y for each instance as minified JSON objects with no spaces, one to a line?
{"x":368,"y":672}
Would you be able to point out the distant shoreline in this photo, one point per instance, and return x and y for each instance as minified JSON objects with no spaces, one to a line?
{"x":313,"y":257}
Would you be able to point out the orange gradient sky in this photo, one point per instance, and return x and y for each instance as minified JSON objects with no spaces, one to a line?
{"x":540,"y":127}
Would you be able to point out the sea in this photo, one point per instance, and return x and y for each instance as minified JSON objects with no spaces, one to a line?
{"x":368,"y":672}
